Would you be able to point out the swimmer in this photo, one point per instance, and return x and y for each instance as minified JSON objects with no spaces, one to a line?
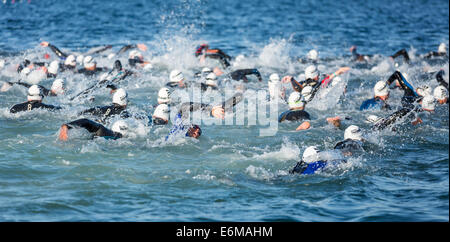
{"x":440,"y":93}
{"x":136,"y":59}
{"x":210,"y":82}
{"x":296,"y":110}
{"x":311,"y":162}
{"x":119,"y":104}
{"x":90,"y":67}
{"x":176,"y":80}
{"x":242,"y":74}
{"x":34,"y":101}
{"x":56,"y":89}
{"x":440,"y":79}
{"x":203,"y":51}
{"x":118,"y":130}
{"x":441,"y":52}
{"x":311,"y":57}
{"x":161,"y":115}
{"x":353,"y":141}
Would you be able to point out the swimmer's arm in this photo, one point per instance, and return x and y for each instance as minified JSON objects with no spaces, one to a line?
{"x":440,"y":79}
{"x":59,"y":53}
{"x":399,"y":77}
{"x":296,"y":86}
{"x":403,"y":53}
{"x":189,"y":107}
{"x":99,"y":49}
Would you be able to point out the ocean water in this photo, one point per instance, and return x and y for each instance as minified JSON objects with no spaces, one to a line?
{"x":232,"y":172}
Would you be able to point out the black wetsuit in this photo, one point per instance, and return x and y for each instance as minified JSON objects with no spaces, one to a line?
{"x":403,"y":53}
{"x":294,"y":115}
{"x":26,"y":63}
{"x":349,"y":146}
{"x":45,"y":91}
{"x":94,"y":128}
{"x":432,"y":54}
{"x":92,"y":72}
{"x":105,"y":112}
{"x":241,"y":74}
{"x":409,"y":95}
{"x":30,"y":105}
{"x":213,"y":54}
{"x":440,"y":79}
{"x":205,"y":87}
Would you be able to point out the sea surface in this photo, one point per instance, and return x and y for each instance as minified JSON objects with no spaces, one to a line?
{"x":232,"y":172}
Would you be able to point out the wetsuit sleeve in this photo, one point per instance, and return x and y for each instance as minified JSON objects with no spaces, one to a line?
{"x":403,"y":53}
{"x":94,"y":128}
{"x":242,"y":73}
{"x":296,"y":86}
{"x":59,"y":53}
{"x":189,"y":107}
{"x":99,"y":49}
{"x":409,"y":92}
{"x":95,"y":110}
{"x":125,"y":48}
{"x":391,"y":119}
{"x":440,"y":79}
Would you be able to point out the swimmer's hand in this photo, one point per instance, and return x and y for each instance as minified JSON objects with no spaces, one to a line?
{"x":286,"y":79}
{"x":218,"y":112}
{"x":142,"y":47}
{"x":304,"y":126}
{"x":44,"y":43}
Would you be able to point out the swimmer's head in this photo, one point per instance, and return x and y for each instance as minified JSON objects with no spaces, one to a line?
{"x":442,"y":48}
{"x":313,"y":55}
{"x":296,"y":102}
{"x":121,"y":127}
{"x":311,"y":72}
{"x":176,"y":76}
{"x":428,"y":103}
{"x":117,"y":65}
{"x":164,"y":96}
{"x":58,"y":86}
{"x":70,"y":61}
{"x":441,"y":94}
{"x":194,"y":131}
{"x":206,"y":71}
{"x":89,"y":63}
{"x":161,"y":114}
{"x":53,"y":67}
{"x":307,"y":93}
{"x":353,"y":132}
{"x":423,"y":90}
{"x":310,"y":154}
{"x":120,"y":97}
{"x":211,"y":80}
{"x":34,"y":93}
{"x":274,"y":78}
{"x":381,"y":89}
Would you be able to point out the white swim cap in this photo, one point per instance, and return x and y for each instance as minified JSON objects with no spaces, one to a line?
{"x":373,"y":119}
{"x":162,"y":112}
{"x":58,"y":86}
{"x":24,"y":72}
{"x":311,"y":72}
{"x":176,"y":76}
{"x":70,"y":61}
{"x":295,"y":100}
{"x":442,"y":48}
{"x":206,"y":70}
{"x":120,"y":126}
{"x":120,"y":97}
{"x":89,"y":62}
{"x":313,"y":55}
{"x":309,"y":153}
{"x":274,"y":78}
{"x":164,"y":96}
{"x":112,"y":55}
{"x":381,"y":89}
{"x":135,"y":53}
{"x":424,"y":90}
{"x":307,"y":93}
{"x":211,"y":79}
{"x":80,"y":59}
{"x":34,"y":93}
{"x":36,"y":76}
{"x":53,"y":67}
{"x":353,"y":132}
{"x":440,"y":93}
{"x":428,"y":103}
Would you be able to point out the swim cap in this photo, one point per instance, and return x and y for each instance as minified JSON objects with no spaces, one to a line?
{"x":381,"y":89}
{"x":58,"y":86}
{"x":176,"y":76}
{"x":424,"y":90}
{"x":80,"y":59}
{"x":313,"y":55}
{"x":295,"y":101}
{"x":311,"y":72}
{"x":36,"y":76}
{"x":353,"y":132}
{"x":112,"y":55}
{"x":309,"y":153}
{"x":54,"y":67}
{"x":120,"y":97}
{"x":89,"y":62}
{"x":70,"y":61}
{"x":274,"y":78}
{"x":442,"y":48}
{"x":121,"y":127}
{"x":428,"y":103}
{"x":211,"y":79}
{"x":307,"y":93}
{"x":24,"y":72}
{"x":34,"y":93}
{"x":164,"y":96}
{"x":372,"y":119}
{"x":440,"y":93}
{"x":162,"y":112}
{"x":135,"y":54}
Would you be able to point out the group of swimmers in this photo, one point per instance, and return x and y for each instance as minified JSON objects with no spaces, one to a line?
{"x":305,"y":89}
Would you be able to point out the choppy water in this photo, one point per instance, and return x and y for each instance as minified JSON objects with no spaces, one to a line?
{"x":231,"y":173}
